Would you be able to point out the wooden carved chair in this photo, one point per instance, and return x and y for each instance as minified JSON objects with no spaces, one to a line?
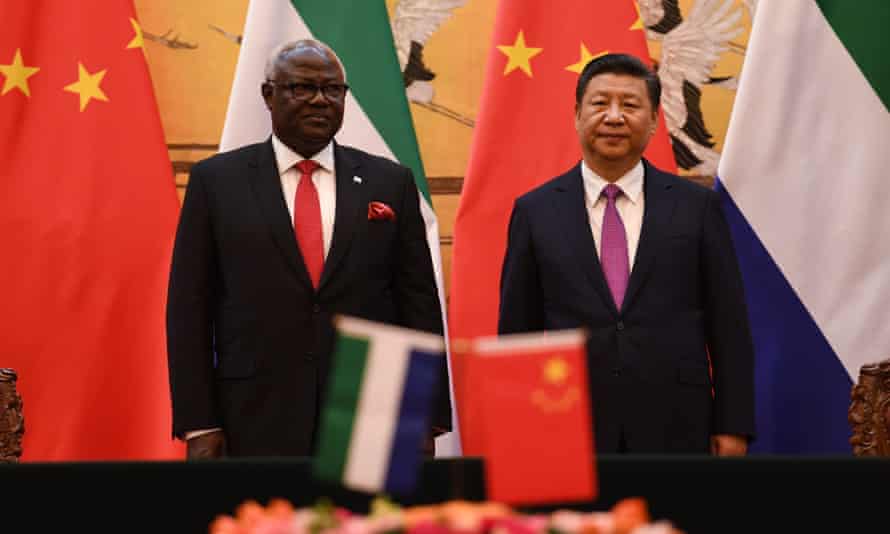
{"x":869,"y":413}
{"x":12,"y":423}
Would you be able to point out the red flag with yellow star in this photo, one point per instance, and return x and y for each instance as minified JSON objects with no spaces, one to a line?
{"x":525,"y":132}
{"x":527,"y":413}
{"x":88,"y":214}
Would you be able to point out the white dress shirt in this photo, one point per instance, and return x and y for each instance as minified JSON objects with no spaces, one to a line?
{"x":325,"y":183}
{"x":323,"y":178}
{"x":630,"y":206}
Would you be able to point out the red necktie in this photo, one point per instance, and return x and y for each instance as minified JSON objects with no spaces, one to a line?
{"x":307,"y":221}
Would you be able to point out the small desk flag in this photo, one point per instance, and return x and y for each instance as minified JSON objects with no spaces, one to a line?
{"x":379,"y":404}
{"x":524,"y":406}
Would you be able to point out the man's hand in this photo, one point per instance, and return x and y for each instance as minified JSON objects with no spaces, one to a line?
{"x":429,"y":441}
{"x":728,"y":445}
{"x":206,"y":446}
{"x":428,"y":448}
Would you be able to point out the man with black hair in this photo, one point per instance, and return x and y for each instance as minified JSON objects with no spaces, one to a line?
{"x":643,"y":260}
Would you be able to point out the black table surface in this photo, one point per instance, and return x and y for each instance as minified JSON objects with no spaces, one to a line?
{"x":697,"y":494}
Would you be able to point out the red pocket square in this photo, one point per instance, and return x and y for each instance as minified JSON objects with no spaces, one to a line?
{"x":378,"y":211}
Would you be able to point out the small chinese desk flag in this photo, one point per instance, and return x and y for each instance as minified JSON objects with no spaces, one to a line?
{"x":379,"y":404}
{"x":527,"y":412}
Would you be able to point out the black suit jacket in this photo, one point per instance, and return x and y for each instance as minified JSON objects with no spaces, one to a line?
{"x":650,"y":385}
{"x":249,"y":338}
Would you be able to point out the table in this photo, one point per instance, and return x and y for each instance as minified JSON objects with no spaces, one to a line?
{"x":699,"y":494}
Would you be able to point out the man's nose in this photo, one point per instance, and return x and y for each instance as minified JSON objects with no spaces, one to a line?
{"x":614,"y":113}
{"x":318,"y":97}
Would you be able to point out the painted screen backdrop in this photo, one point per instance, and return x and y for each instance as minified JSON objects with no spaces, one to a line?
{"x":192,"y":49}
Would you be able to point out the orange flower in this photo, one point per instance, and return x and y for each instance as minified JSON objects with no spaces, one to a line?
{"x":629,"y":514}
{"x":249,"y":512}
{"x":420,"y":514}
{"x":280,"y":508}
{"x":225,"y":525}
{"x":467,"y":516}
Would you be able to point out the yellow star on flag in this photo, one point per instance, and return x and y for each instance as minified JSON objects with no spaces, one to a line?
{"x":638,"y":24}
{"x":87,"y":86}
{"x":17,"y":74}
{"x":586,"y":56}
{"x":138,"y":41}
{"x":556,"y":370}
{"x":519,"y":56}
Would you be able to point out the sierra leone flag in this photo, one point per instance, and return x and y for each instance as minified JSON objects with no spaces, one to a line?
{"x":804,"y":182}
{"x":376,"y":118}
{"x":378,"y":405}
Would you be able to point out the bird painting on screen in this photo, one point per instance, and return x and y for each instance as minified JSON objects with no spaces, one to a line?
{"x":413,"y":23}
{"x":690,"y":48}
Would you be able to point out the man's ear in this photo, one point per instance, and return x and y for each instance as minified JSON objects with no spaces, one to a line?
{"x":266,"y":89}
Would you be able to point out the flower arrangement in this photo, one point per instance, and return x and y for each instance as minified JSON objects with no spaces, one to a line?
{"x":629,"y":516}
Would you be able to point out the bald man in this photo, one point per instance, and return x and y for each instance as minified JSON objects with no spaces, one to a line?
{"x":273,"y":240}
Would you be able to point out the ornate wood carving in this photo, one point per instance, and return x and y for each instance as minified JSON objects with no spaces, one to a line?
{"x":869,"y":413}
{"x":12,"y":421}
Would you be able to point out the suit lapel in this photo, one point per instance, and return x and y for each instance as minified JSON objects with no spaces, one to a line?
{"x":659,"y":207}
{"x":266,"y":183}
{"x":349,"y":208}
{"x":570,"y":211}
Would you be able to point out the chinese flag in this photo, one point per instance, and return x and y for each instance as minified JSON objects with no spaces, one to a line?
{"x":525,"y":132}
{"x":530,"y":416}
{"x":87,"y":214}
{"x":467,"y":381}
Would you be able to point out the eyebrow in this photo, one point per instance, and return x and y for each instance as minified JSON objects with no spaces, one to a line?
{"x":620,"y":93}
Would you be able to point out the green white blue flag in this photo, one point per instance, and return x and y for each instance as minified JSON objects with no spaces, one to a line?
{"x":378,"y":406}
{"x":804,"y":181}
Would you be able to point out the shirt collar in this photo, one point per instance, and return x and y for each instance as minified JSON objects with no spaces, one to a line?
{"x":287,"y":158}
{"x":631,"y":184}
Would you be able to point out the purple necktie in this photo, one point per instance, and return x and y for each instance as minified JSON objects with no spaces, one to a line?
{"x":614,"y":247}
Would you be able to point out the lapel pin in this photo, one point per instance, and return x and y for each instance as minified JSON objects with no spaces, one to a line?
{"x":357,"y":179}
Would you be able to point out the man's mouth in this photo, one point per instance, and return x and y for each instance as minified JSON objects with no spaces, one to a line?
{"x":612,"y":137}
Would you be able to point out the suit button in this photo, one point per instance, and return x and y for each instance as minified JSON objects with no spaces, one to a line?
{"x":616,"y":372}
{"x":620,"y":326}
{"x":309,"y":356}
{"x":316,"y":308}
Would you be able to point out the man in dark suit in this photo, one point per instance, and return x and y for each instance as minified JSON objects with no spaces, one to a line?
{"x":273,"y":240}
{"x":643,"y":260}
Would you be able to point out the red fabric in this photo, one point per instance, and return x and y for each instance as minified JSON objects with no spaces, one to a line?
{"x":87,"y":213}
{"x":379,"y":211}
{"x":467,"y":382}
{"x":525,"y":135}
{"x":307,"y":221}
{"x":510,"y":412}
